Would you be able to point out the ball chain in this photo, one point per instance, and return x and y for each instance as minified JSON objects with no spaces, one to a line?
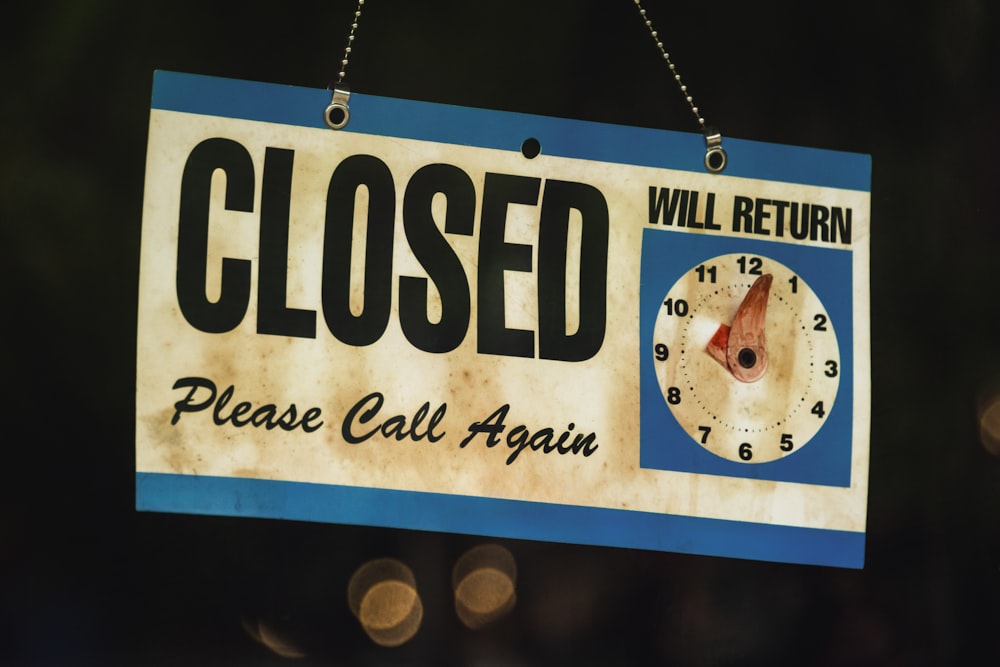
{"x":350,"y":41}
{"x":673,"y":68}
{"x":715,"y":156}
{"x":649,"y":24}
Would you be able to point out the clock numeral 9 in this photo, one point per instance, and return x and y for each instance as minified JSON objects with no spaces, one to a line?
{"x":751,"y":265}
{"x":746,"y":451}
{"x":661,"y":352}
{"x":673,"y":395}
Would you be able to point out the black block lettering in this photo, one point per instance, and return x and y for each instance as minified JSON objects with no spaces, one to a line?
{"x":497,"y":256}
{"x":367,"y":327}
{"x":554,"y":342}
{"x":192,"y":235}
{"x":273,"y":315}
{"x":437,"y":257}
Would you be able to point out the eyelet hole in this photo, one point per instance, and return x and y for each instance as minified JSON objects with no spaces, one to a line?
{"x":337,"y":116}
{"x":531,"y":148}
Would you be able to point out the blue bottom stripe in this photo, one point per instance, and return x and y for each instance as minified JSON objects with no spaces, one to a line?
{"x":226,"y":496}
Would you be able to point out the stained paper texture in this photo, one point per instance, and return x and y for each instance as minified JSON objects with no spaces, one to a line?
{"x":409,"y":323}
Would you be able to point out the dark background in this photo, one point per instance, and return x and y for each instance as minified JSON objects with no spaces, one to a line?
{"x":86,"y":580}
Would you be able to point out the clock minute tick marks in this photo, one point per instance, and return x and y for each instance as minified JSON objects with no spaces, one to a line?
{"x":744,"y":370}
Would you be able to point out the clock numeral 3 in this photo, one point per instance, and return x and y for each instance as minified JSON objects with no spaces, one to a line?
{"x":831,"y":369}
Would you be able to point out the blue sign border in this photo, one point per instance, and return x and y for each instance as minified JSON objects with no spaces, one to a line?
{"x":291,"y":105}
{"x":504,"y":130}
{"x":270,"y":499}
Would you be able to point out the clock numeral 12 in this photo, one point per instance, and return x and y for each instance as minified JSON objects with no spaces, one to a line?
{"x":750,"y":265}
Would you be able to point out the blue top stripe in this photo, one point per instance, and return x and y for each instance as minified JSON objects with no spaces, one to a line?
{"x":406,"y":119}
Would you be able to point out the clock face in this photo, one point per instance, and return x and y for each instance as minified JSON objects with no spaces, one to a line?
{"x":746,"y":358}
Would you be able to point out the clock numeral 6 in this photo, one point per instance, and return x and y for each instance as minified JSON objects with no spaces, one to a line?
{"x":786,"y":442}
{"x":661,"y":351}
{"x":746,"y":451}
{"x":673,"y":395}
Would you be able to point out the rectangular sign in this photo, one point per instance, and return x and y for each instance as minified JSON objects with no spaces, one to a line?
{"x":411,"y":323}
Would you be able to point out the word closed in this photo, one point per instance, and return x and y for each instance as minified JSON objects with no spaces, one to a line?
{"x":427,"y":242}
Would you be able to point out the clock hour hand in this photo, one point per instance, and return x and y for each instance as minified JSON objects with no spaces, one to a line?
{"x":716,"y":347}
{"x":746,"y":349}
{"x":741,"y":348}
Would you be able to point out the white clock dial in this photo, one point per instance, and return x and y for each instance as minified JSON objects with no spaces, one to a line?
{"x":766,"y":395}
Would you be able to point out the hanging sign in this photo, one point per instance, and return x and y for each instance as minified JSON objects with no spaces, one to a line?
{"x":491,"y":323}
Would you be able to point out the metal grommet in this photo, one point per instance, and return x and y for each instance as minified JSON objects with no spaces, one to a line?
{"x":336,"y":116}
{"x":715,"y":155}
{"x":715,"y":159}
{"x":338,"y":112}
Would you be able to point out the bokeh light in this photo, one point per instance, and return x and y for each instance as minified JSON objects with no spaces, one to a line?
{"x":382,"y":595}
{"x":484,"y":581}
{"x":270,"y":636}
{"x":989,"y":422}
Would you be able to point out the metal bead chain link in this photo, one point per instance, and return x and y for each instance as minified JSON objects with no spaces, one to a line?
{"x":338,"y":112}
{"x":350,"y":42}
{"x":673,"y":68}
{"x":715,"y":155}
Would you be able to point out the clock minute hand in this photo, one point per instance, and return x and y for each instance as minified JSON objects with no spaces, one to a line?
{"x":746,"y":349}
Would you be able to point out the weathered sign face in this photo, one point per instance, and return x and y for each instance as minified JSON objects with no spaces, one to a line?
{"x":409,"y":322}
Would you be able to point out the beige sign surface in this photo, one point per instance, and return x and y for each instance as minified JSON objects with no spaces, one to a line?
{"x":376,"y":326}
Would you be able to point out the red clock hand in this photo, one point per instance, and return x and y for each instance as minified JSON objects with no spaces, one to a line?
{"x":741,"y":347}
